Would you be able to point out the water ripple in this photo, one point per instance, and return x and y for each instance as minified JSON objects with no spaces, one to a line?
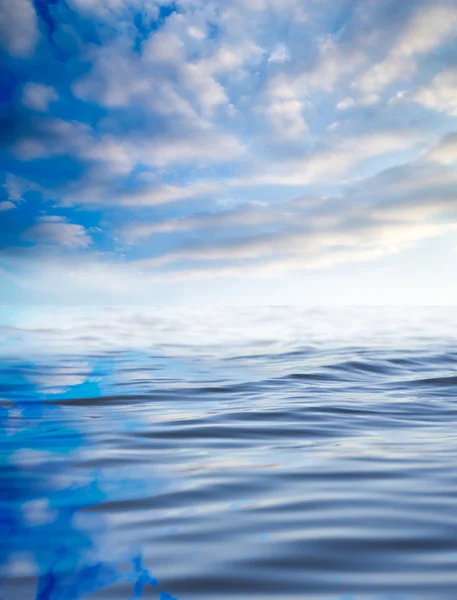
{"x":219,"y":455}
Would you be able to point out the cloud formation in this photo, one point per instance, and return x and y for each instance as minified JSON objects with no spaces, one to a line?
{"x":159,"y":141}
{"x":441,"y":93}
{"x":428,"y":27}
{"x":6,"y":205}
{"x":54,"y":230}
{"x":376,"y":216}
{"x":37,"y":96}
{"x":18,"y":27}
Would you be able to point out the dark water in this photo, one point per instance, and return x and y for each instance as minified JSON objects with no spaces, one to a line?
{"x":249,"y":454}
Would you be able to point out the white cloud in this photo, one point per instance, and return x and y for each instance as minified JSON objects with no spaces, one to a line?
{"x":345,"y":104}
{"x":115,"y":79}
{"x":167,"y":51}
{"x":429,"y":27}
{"x":18,"y":27}
{"x":295,"y":7}
{"x":163,"y":194}
{"x":53,"y":230}
{"x":116,"y":9}
{"x":309,"y":247}
{"x":200,"y":143}
{"x":37,"y":96}
{"x":6,"y":205}
{"x":285,"y":116}
{"x":445,"y":152}
{"x":332,"y":63}
{"x":335,"y":158}
{"x":223,"y":83}
{"x":164,"y":79}
{"x":51,"y":137}
{"x":196,"y":33}
{"x":286,"y":92}
{"x":441,"y":94}
{"x":378,"y":216}
{"x":279,"y":54}
{"x":147,"y":193}
{"x":16,"y":187}
{"x":251,"y":215}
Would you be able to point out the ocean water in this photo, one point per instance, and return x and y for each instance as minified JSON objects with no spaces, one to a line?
{"x":225,"y":453}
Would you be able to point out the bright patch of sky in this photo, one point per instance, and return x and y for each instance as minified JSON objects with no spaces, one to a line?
{"x":202,"y":151}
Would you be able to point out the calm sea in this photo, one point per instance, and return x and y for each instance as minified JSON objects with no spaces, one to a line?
{"x":249,"y":454}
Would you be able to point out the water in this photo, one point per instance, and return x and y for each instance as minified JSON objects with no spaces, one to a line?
{"x":272,"y":453}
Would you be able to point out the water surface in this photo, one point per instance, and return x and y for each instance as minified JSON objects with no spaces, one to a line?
{"x":226,"y":453}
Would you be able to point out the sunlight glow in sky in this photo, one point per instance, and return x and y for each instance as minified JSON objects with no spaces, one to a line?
{"x":228,"y":151}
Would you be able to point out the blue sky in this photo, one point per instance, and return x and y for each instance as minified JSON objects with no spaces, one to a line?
{"x":235,"y":152}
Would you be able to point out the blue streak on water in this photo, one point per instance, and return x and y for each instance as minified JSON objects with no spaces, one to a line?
{"x":57,"y":546}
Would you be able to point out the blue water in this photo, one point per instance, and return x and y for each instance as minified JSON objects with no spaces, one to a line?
{"x":276,"y":453}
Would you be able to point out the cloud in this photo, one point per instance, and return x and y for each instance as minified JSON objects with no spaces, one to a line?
{"x":445,"y":152}
{"x":6,"y":205}
{"x":345,"y":104}
{"x":167,"y":110}
{"x":293,"y":7}
{"x":16,"y":187}
{"x":164,"y":79}
{"x":336,"y":157}
{"x":246,"y":215}
{"x":356,"y":237}
{"x":119,"y":154}
{"x":279,"y":54}
{"x":18,"y":27}
{"x":428,"y":27}
{"x":115,"y":9}
{"x":441,"y":94}
{"x":54,"y":230}
{"x":47,"y":137}
{"x":285,"y":116}
{"x":37,"y":96}
{"x":145,"y":193}
{"x":109,"y":159}
{"x":163,"y":194}
{"x":377,"y":216}
{"x":288,"y":91}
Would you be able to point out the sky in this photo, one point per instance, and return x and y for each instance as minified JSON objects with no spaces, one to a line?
{"x":228,"y":152}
